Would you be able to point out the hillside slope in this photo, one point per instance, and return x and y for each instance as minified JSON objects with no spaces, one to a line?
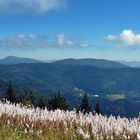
{"x":101,"y":63}
{"x":47,"y":79}
{"x":17,"y":60}
{"x":50,"y":77}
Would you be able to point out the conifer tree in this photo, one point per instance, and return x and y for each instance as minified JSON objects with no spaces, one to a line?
{"x":42,"y":103}
{"x":32,"y":97}
{"x":98,"y":109}
{"x":85,"y":107}
{"x":57,"y":102}
{"x":11,"y":94}
{"x":27,"y":98}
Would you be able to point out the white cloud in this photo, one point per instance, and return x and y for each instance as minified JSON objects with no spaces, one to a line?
{"x":66,"y":41}
{"x":30,"y":41}
{"x":70,"y":43}
{"x":30,"y":6}
{"x":84,"y":45}
{"x":61,"y":39}
{"x":111,"y":37}
{"x":130,"y":38}
{"x":24,"y":41}
{"x":21,"y":36}
{"x":126,"y":38}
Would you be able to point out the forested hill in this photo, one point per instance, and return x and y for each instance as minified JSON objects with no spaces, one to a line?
{"x":17,"y":60}
{"x":71,"y":78}
{"x":118,"y":88}
{"x":101,"y":63}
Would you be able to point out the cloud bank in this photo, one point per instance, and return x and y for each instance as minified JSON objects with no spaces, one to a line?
{"x":32,"y":41}
{"x":126,"y":38}
{"x":30,"y":6}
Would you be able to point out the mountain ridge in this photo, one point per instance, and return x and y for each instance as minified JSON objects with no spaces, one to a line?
{"x":101,"y":63}
{"x":73,"y":80}
{"x":46,"y":76}
{"x":18,"y":60}
{"x":130,"y":63}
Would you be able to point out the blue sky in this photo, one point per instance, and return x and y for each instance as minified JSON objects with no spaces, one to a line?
{"x":57,"y":29}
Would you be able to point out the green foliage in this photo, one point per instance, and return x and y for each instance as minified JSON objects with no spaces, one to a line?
{"x":27,"y":98}
{"x":90,"y":79}
{"x":57,"y":102}
{"x":85,"y":107}
{"x":101,"y":63}
{"x":42,"y":103}
{"x":98,"y":109}
{"x":17,"y":133}
{"x":11,"y":94}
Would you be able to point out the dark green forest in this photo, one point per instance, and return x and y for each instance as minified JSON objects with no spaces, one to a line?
{"x":117,"y":88}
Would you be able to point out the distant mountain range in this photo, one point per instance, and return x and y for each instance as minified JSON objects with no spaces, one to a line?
{"x":131,"y":63}
{"x":101,"y":63}
{"x":45,"y":77}
{"x":17,"y":60}
{"x":74,"y":77}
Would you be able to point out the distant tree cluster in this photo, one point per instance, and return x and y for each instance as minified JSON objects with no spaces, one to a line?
{"x":11,"y":94}
{"x":29,"y":98}
{"x":57,"y":102}
{"x":85,"y":106}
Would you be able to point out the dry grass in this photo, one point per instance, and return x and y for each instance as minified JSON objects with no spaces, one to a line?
{"x":22,"y":123}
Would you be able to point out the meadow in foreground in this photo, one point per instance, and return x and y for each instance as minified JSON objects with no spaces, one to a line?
{"x":20,"y":122}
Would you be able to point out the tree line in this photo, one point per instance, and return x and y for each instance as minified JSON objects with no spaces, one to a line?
{"x":29,"y":98}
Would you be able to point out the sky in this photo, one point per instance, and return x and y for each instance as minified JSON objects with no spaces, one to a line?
{"x":59,"y":29}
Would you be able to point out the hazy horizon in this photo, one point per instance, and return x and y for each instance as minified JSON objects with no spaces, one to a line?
{"x":51,"y":60}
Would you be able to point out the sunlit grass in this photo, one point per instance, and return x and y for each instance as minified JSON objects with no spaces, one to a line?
{"x":19,"y":122}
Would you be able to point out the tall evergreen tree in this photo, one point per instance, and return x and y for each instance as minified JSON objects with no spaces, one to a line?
{"x":27,"y":98}
{"x":57,"y":102}
{"x":98,"y":109}
{"x":42,"y":103}
{"x":32,"y":97}
{"x":11,"y":94}
{"x":85,"y":107}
